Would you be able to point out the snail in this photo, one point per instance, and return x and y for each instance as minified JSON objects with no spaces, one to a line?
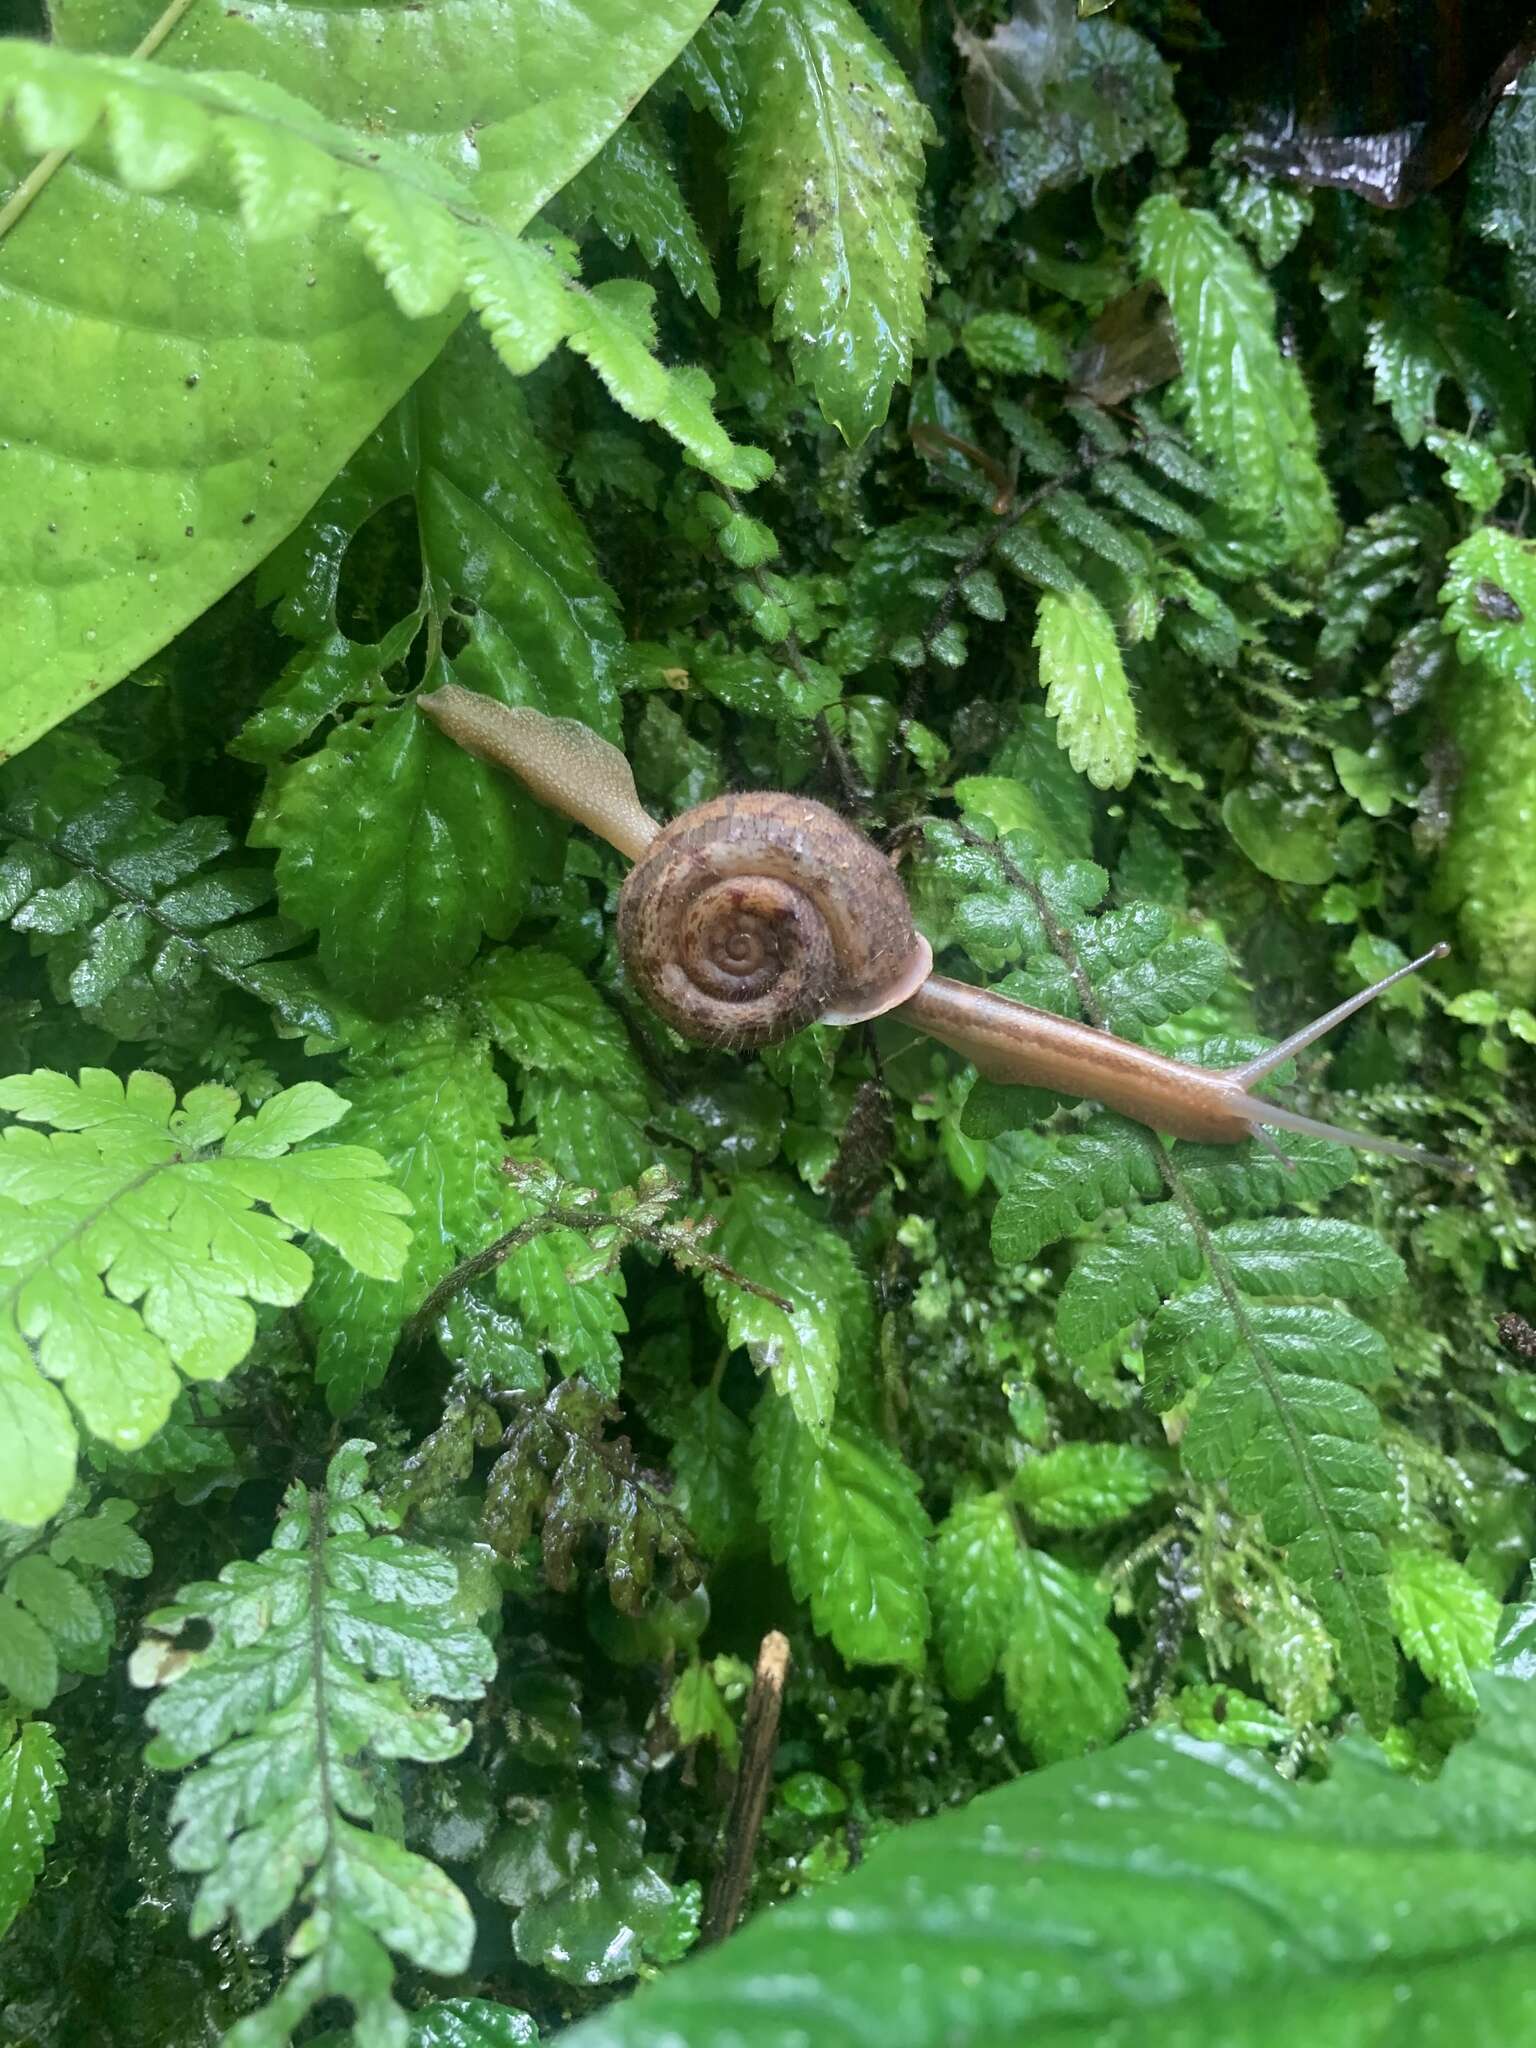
{"x":753,"y":915}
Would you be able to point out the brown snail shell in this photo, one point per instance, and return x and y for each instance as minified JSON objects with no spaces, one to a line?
{"x":751,"y":916}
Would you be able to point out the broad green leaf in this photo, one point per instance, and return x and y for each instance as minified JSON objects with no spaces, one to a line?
{"x":975,"y":1589}
{"x":1489,"y":863}
{"x":770,"y":1235}
{"x":1245,"y":402}
{"x":1086,"y":688}
{"x":434,"y":1108}
{"x":1427,"y":338}
{"x":843,"y":1517}
{"x":545,"y":1015}
{"x":31,"y":1773}
{"x":1168,"y":1892}
{"x":1086,"y":1486}
{"x":224,"y":401}
{"x":324,"y":1652}
{"x":1053,"y":99}
{"x":133,"y":1252}
{"x":1062,"y":1669}
{"x":827,"y":169}
{"x":1443,"y":1619}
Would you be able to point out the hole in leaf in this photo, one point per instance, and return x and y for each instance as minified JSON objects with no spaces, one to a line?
{"x":383,"y":559}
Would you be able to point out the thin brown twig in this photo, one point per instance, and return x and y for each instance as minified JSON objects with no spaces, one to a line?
{"x":759,"y":1741}
{"x":583,"y":1221}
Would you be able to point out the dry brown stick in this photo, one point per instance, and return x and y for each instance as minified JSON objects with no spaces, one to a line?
{"x":759,"y":1740}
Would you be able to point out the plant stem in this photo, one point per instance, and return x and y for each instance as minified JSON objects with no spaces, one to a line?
{"x":759,"y":1740}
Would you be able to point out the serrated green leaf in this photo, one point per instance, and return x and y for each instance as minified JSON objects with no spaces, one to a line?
{"x":1012,"y":343}
{"x":1308,"y":1255}
{"x":1426,"y":338}
{"x":1299,"y":1446}
{"x":699,"y":1713}
{"x":768,"y":1234}
{"x":31,"y":1773}
{"x":712,"y":1466}
{"x":1053,"y":99}
{"x":1136,"y":1267}
{"x":826,"y":171}
{"x":215,"y":420}
{"x":545,"y":1014}
{"x":1246,"y":404}
{"x":105,"y":1541}
{"x":630,"y":190}
{"x":472,"y":2023}
{"x":1086,"y":688}
{"x":975,"y":1590}
{"x":434,"y":1108}
{"x":400,"y":850}
{"x":1487,"y":865}
{"x":843,"y":1517}
{"x":63,"y":1608}
{"x":323,"y":1651}
{"x":1443,"y":1618}
{"x":29,"y":1663}
{"x":1062,"y":1669}
{"x":1436,"y":1876}
{"x":1086,"y":1486}
{"x":132,"y":1258}
{"x":1004,"y":1606}
{"x":1106,"y":1166}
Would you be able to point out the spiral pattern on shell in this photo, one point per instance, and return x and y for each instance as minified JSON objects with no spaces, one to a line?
{"x":751,"y":916}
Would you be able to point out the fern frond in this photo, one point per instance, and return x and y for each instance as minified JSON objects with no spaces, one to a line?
{"x":324,"y":1649}
{"x":135,"y":1242}
{"x":141,"y":918}
{"x":420,"y":228}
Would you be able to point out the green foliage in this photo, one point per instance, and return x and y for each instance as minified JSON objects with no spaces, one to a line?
{"x":1170,"y":632}
{"x":138,"y":1238}
{"x":55,"y":1616}
{"x":1121,"y":1936}
{"x":172,"y":430}
{"x":141,"y":919}
{"x":1490,"y":599}
{"x":843,"y":1518}
{"x":557,"y":1471}
{"x":1003,"y":1605}
{"x":31,"y":1773}
{"x":1246,"y":403}
{"x":323,"y":1650}
{"x":1086,"y":690}
{"x":826,"y":172}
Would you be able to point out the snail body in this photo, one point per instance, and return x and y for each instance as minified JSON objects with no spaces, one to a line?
{"x":753,"y":915}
